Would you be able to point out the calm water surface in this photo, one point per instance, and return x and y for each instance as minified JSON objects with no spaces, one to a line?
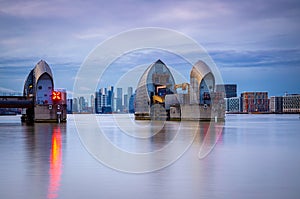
{"x":255,"y":156}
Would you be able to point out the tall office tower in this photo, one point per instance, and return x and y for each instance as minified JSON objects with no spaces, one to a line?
{"x":229,"y":89}
{"x":92,"y":104}
{"x":115,"y":104}
{"x":75,"y":105}
{"x":69,"y":106}
{"x":131,"y":103}
{"x":98,"y":101}
{"x":110,"y":97}
{"x":129,"y":93}
{"x":103,"y":91}
{"x":101,"y":102}
{"x":119,"y":100}
{"x":126,"y":102}
{"x":82,"y":104}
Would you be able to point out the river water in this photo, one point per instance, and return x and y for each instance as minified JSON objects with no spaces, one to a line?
{"x":248,"y":156}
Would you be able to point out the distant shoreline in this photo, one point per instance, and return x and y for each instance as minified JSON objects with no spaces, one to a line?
{"x":231,"y":113}
{"x":258,"y":113}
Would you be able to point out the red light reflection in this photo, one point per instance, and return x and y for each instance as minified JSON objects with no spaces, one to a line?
{"x":55,"y":164}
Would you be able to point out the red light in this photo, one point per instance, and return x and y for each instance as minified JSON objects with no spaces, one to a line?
{"x":56,"y":95}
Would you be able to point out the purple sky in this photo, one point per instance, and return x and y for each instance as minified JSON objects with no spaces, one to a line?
{"x":255,"y":44}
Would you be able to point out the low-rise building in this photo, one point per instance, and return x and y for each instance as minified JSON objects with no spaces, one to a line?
{"x":255,"y":102}
{"x":233,"y":104}
{"x":275,"y":105}
{"x":291,"y":103}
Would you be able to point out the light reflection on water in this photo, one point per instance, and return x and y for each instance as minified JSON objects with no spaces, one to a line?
{"x":125,"y":151}
{"x":256,"y":156}
{"x":55,"y":163}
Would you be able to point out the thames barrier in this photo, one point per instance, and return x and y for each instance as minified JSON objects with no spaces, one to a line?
{"x":40,"y":101}
{"x":157,"y":97}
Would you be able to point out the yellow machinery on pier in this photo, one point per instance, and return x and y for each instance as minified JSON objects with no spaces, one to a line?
{"x":160,"y":93}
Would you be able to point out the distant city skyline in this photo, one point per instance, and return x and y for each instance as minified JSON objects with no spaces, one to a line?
{"x":111,"y":99}
{"x":255,"y":44}
{"x":246,"y":102}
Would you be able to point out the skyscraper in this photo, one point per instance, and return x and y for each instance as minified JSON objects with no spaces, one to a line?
{"x":69,"y":106}
{"x":110,"y":97}
{"x":119,"y":100}
{"x":129,"y":94}
{"x":126,"y":102}
{"x":101,"y":104}
{"x":131,"y":103}
{"x":75,"y":105}
{"x":98,"y":102}
{"x":92,"y":103}
{"x":82,"y":104}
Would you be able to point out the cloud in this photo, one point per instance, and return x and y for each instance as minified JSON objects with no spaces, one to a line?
{"x":233,"y":23}
{"x":6,"y":90}
{"x":261,"y":58}
{"x":237,"y":34}
{"x":41,"y":9}
{"x":89,"y":35}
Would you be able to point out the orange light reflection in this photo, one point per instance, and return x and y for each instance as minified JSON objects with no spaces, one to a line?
{"x":55,"y":164}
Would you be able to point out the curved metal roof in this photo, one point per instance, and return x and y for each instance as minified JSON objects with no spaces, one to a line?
{"x":200,"y":70}
{"x":30,"y":83}
{"x":40,"y":68}
{"x":199,"y":73}
{"x":145,"y":85}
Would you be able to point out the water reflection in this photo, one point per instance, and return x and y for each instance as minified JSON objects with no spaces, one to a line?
{"x":110,"y":145}
{"x":211,"y":133}
{"x":55,"y":163}
{"x":44,"y":144}
{"x":37,"y":163}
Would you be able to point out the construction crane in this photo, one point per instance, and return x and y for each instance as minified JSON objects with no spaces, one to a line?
{"x":183,"y":86}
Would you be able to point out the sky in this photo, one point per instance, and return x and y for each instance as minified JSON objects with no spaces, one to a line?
{"x":255,"y":44}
